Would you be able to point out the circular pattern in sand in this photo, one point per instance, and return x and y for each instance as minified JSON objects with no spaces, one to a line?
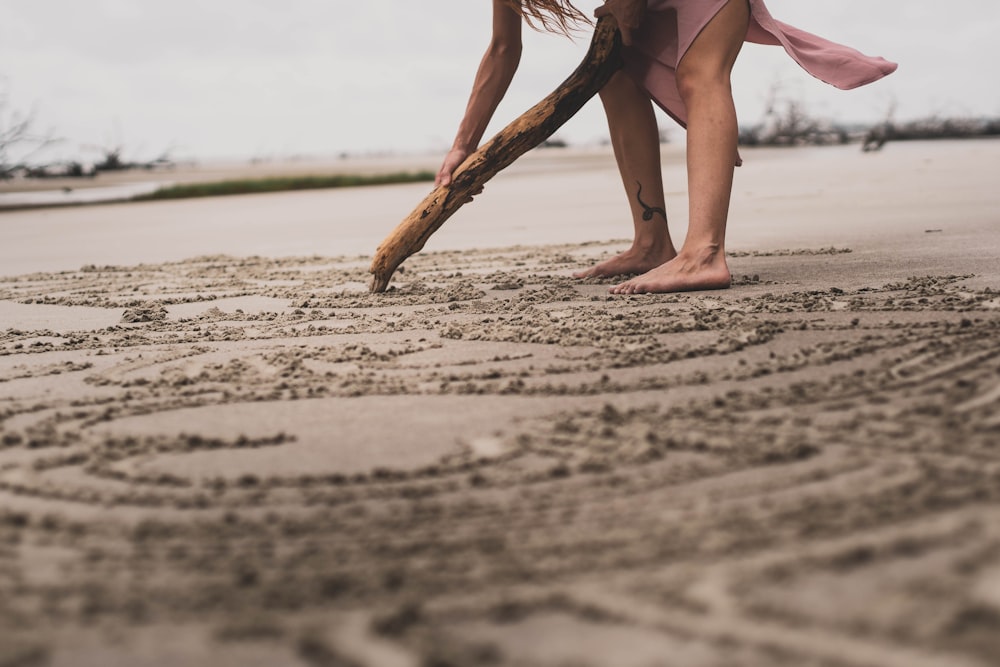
{"x":492,"y":459}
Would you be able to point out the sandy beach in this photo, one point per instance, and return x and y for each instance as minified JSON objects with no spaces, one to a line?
{"x":217,"y":448}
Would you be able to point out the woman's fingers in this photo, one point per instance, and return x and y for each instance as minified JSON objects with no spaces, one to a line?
{"x":444,"y":177}
{"x":444,"y":174}
{"x":627,"y":13}
{"x":452,"y":161}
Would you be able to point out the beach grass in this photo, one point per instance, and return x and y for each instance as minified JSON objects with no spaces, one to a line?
{"x":282,"y":184}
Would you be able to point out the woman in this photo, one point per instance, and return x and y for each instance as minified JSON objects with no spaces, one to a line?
{"x":679,"y":54}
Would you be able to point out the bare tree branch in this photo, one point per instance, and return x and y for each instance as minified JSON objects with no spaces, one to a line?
{"x":17,"y":141}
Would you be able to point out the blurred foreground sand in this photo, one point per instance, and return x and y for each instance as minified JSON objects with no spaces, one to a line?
{"x":217,"y":448}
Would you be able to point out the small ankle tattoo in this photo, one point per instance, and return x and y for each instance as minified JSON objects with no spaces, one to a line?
{"x":648,"y":211}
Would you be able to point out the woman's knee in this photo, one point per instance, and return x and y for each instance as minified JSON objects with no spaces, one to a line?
{"x":708,"y":63}
{"x":694,"y":78}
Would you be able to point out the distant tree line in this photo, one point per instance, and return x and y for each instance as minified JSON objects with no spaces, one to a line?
{"x":786,"y":122}
{"x":20,"y":146}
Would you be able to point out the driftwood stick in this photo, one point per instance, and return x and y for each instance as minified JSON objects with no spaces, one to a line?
{"x":527,"y":131}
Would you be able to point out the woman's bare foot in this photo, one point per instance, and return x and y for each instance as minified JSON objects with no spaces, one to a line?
{"x":702,"y":270}
{"x":632,"y":261}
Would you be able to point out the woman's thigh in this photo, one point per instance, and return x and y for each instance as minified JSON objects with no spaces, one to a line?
{"x":714,"y":51}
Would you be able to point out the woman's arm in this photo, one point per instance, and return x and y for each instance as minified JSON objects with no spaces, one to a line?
{"x":492,"y":80}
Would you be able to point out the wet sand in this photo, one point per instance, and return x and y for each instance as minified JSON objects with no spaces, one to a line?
{"x":217,"y":448}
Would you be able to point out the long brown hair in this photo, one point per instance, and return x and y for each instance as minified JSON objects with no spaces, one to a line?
{"x":552,"y":15}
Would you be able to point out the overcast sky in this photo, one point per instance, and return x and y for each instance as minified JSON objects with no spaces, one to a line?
{"x":270,"y":78}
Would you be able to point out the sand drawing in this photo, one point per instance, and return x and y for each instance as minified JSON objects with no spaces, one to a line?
{"x":772,"y":476}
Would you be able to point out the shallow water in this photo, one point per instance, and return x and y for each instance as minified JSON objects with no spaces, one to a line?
{"x":85,"y":195}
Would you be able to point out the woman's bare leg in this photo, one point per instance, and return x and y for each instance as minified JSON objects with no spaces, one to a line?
{"x":703,"y":80}
{"x":636,"y":141}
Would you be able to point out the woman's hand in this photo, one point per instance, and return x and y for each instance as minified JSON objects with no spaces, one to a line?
{"x":454,"y":158}
{"x":452,"y":161}
{"x":628,"y":14}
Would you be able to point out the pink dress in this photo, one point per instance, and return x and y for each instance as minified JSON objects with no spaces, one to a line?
{"x":670,"y":26}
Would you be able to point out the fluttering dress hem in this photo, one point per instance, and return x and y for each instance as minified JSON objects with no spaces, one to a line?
{"x":671,"y":26}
